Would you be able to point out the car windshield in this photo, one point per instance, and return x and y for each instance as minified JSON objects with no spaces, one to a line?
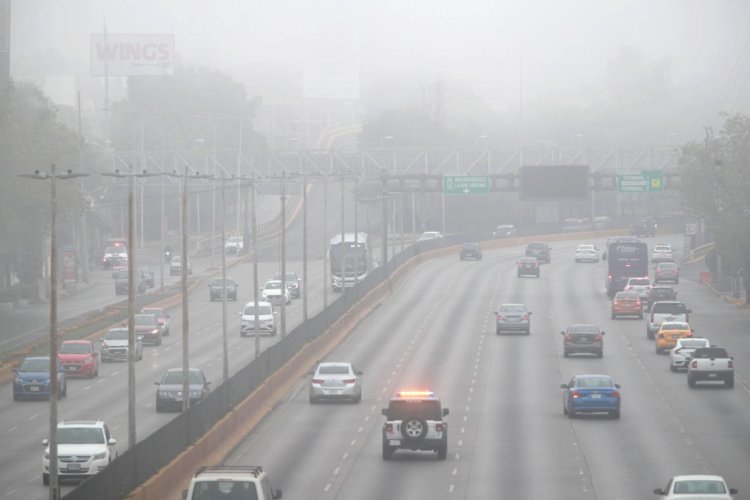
{"x":80,"y":435}
{"x":594,"y":382}
{"x":662,"y":248}
{"x":529,"y":260}
{"x":272,"y":284}
{"x":263,"y":310}
{"x":402,"y":408}
{"x":583,"y":329}
{"x":666,"y":265}
{"x":144,"y":319}
{"x":156,"y":312}
{"x":74,"y":348}
{"x":333,"y":370}
{"x":35,"y":365}
{"x":698,"y":487}
{"x":639,"y":282}
{"x":220,"y":282}
{"x":626,"y":296}
{"x":513,"y":309}
{"x":470,"y":246}
{"x":175,"y":377}
{"x":119,"y":334}
{"x":537,"y":246}
{"x":289,"y":276}
{"x":693,"y":343}
{"x":675,"y":326}
{"x":669,"y":308}
{"x":225,"y":488}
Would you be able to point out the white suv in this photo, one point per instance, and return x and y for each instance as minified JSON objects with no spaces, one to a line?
{"x":84,"y":447}
{"x":266,"y":319}
{"x":662,"y":253}
{"x":414,"y":421}
{"x":230,"y":481}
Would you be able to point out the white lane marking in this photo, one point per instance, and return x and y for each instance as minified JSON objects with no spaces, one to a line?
{"x":457,"y":456}
{"x":336,"y":471}
{"x":360,"y":429}
{"x":450,"y":488}
{"x":463,"y":429}
{"x":353,"y":442}
{"x":454,"y":471}
{"x":32,"y":417}
{"x":460,"y":442}
{"x":87,"y":388}
{"x":9,"y":493}
{"x":327,"y":488}
{"x":13,"y":428}
{"x":345,"y":456}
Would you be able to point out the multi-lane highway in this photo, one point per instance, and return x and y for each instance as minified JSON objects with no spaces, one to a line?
{"x":508,"y":437}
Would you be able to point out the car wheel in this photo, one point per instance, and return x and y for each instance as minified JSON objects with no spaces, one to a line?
{"x":658,"y":351}
{"x":615,"y":414}
{"x":357,"y":399}
{"x":313,"y":400}
{"x":649,"y":334}
{"x":519,"y":275}
{"x":442,"y":452}
{"x":729,"y":382}
{"x":528,"y":332}
{"x":413,"y":429}
{"x":571,"y":414}
{"x":600,"y":353}
{"x":691,"y":380}
{"x":45,"y":479}
{"x":676,"y":282}
{"x":672,"y":368}
{"x":158,"y":342}
{"x":16,"y":397}
{"x":565,"y":409}
{"x":566,"y":354}
{"x":640,"y":316}
{"x":614,"y":315}
{"x":387,"y":450}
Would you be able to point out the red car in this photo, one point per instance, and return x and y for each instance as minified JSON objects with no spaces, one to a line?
{"x":79,"y":358}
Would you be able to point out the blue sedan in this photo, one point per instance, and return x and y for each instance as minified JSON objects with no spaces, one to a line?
{"x":32,"y":379}
{"x":591,"y":394}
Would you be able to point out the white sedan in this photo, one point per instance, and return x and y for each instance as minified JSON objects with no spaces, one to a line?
{"x":680,"y":354}
{"x":696,"y":486}
{"x":587,"y":253}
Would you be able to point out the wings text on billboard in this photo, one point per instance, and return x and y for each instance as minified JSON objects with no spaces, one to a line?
{"x":132,"y":55}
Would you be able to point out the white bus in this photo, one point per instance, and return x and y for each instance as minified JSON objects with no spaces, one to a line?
{"x":350,"y":259}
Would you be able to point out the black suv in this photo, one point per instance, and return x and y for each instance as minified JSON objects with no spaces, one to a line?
{"x":471,"y":251}
{"x":658,"y":293}
{"x":643,"y":228}
{"x":540,"y":250}
{"x":293,"y":283}
{"x":216,"y":289}
{"x":414,"y":421}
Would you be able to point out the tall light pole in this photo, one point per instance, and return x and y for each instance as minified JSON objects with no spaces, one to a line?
{"x":54,"y":491}
{"x":256,"y":323}
{"x":131,"y":176}
{"x":325,"y":242}
{"x":284,"y":289}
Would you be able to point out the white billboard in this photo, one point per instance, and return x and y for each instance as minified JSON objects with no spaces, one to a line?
{"x":132,"y":55}
{"x":330,"y":83}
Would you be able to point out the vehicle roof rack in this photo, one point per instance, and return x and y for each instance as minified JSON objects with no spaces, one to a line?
{"x":252,"y":469}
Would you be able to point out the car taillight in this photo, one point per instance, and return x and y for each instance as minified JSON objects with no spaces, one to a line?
{"x":317,"y":381}
{"x":575,"y":394}
{"x":598,"y":337}
{"x":568,"y":337}
{"x":389,"y":427}
{"x":615,"y":302}
{"x":349,"y":380}
{"x":609,"y":277}
{"x":615,"y":394}
{"x":439,"y":427}
{"x":694,"y":364}
{"x":731,"y":364}
{"x":526,"y":316}
{"x":638,"y":302}
{"x":660,"y":335}
{"x":499,"y":316}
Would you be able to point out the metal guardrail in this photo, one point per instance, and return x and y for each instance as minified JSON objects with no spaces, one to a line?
{"x":698,"y":253}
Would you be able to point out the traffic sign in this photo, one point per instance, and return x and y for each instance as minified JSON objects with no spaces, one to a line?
{"x":646,"y":181}
{"x":466,"y":184}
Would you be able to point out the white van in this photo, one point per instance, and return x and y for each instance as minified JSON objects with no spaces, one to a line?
{"x":666,"y":310}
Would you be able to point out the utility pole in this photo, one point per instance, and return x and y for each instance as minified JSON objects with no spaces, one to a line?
{"x":54,"y":487}
{"x":255,"y":270}
{"x":185,"y":301}
{"x":224,"y":345}
{"x":304,"y":249}
{"x":131,"y":176}
{"x":343,"y":241}
{"x":325,"y":242}
{"x":283,"y":253}
{"x":384,"y":222}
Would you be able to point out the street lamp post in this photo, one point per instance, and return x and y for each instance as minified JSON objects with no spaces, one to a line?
{"x":54,"y":492}
{"x":131,"y":176}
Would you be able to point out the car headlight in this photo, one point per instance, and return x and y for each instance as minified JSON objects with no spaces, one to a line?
{"x":196,"y":394}
{"x":99,"y":456}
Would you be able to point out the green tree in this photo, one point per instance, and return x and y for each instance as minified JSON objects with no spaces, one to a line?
{"x":31,"y":139}
{"x":715,"y":177}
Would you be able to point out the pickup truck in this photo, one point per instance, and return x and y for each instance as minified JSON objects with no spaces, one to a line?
{"x":711,"y":363}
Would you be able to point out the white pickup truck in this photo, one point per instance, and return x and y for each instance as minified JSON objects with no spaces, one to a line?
{"x":711,"y":363}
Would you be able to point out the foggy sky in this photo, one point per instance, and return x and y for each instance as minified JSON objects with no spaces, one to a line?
{"x":483,"y":44}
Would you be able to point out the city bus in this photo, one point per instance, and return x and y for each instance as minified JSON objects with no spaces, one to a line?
{"x":626,"y":257}
{"x":350,"y":259}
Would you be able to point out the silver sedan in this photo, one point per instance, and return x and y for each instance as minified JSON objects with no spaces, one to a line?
{"x":336,"y":381}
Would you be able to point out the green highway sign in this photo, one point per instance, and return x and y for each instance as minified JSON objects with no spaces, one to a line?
{"x":466,"y":184}
{"x":646,"y":181}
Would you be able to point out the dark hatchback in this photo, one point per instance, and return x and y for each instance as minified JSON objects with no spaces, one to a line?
{"x":169,"y":393}
{"x":528,"y":266}
{"x":540,"y":250}
{"x":658,"y":293}
{"x":217,"y":286}
{"x":582,"y":339}
{"x":471,"y":251}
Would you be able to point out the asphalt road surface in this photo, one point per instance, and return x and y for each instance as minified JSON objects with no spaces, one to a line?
{"x":508,"y":437}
